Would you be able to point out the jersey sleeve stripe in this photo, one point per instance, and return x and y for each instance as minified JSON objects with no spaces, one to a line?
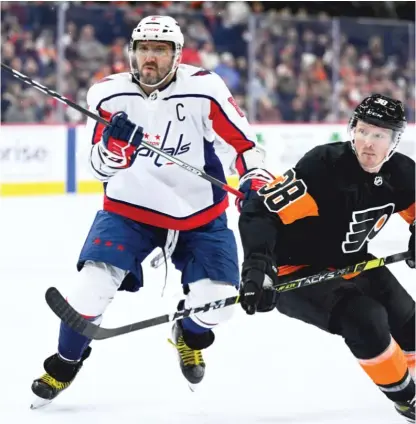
{"x":240,"y":165}
{"x":222,"y":123}
{"x":99,"y":128}
{"x":227,"y":130}
{"x":301,"y":208}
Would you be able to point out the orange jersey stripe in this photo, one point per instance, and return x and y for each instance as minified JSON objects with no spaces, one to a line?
{"x":409,"y":214}
{"x":387,"y":368}
{"x":289,"y":269}
{"x":300,"y":208}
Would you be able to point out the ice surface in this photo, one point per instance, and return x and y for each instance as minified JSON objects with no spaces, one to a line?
{"x":266,"y":369}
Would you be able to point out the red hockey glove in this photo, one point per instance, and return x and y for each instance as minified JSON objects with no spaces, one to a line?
{"x":120,"y":141}
{"x":251,"y":182}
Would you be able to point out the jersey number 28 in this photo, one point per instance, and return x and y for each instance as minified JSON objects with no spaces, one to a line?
{"x":282,"y":191}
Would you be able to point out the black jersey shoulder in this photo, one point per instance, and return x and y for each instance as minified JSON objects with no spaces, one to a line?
{"x":323,"y":160}
{"x":401,"y":170}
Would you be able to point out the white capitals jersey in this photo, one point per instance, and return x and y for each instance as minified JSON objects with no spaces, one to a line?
{"x":184,"y":119}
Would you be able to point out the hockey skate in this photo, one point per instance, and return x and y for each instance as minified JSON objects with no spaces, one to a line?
{"x":58,"y":377}
{"x":406,"y":409}
{"x":191,"y":361}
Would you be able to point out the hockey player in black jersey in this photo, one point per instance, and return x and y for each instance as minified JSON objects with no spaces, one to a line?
{"x":321,"y":215}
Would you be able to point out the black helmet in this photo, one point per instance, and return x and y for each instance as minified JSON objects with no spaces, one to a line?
{"x":381,"y":111}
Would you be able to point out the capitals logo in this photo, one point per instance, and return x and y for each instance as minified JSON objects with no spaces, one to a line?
{"x":177,"y":150}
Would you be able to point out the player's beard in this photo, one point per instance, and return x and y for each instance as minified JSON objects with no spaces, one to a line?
{"x":154,"y":76}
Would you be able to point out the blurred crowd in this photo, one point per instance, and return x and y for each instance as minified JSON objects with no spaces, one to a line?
{"x":280,"y":66}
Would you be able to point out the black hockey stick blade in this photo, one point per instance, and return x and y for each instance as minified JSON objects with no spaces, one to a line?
{"x":78,"y":323}
{"x":81,"y":325}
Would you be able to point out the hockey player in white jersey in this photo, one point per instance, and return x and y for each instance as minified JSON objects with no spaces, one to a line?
{"x":150,"y":202}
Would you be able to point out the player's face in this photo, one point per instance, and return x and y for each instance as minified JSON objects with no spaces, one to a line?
{"x":154,"y":60}
{"x":372,"y":145}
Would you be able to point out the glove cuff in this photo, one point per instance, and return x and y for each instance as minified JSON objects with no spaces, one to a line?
{"x":109,"y":158}
{"x":261,"y":263}
{"x":257,"y":174}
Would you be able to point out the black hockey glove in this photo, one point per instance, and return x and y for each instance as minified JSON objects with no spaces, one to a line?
{"x":257,"y":278}
{"x":411,"y":262}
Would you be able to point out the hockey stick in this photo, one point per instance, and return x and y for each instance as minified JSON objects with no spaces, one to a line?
{"x":86,"y":328}
{"x":97,"y":118}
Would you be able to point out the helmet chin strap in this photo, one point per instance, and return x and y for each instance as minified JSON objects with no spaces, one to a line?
{"x":384,"y":160}
{"x":366,"y":168}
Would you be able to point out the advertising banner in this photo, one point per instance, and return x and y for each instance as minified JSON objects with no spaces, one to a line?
{"x":33,"y":159}
{"x":49,"y":159}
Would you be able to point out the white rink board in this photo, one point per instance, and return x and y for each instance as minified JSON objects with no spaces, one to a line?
{"x":33,"y":153}
{"x":285,"y":144}
{"x":36,"y":153}
{"x":83,"y":148}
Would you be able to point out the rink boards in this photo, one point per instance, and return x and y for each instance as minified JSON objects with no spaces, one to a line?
{"x":52,"y":159}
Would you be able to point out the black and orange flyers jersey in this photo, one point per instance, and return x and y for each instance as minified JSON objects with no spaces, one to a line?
{"x":325,"y":210}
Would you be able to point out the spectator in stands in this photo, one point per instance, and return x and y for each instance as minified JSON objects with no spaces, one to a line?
{"x":209,"y":57}
{"x":91,"y":53}
{"x":21,"y":110}
{"x":227,"y":70}
{"x":190,"y":53}
{"x":293,"y":71}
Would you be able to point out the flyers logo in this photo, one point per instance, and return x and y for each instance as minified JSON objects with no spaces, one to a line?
{"x":365,"y":226}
